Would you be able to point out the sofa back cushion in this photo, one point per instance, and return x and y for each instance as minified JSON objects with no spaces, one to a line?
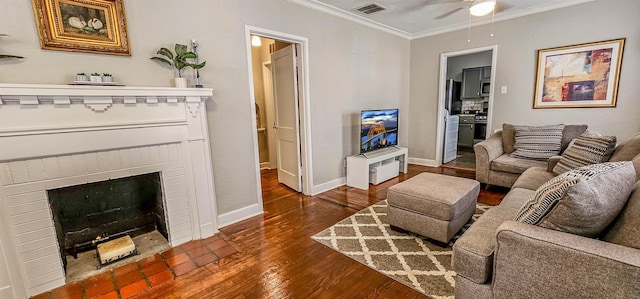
{"x":537,"y":143}
{"x":627,"y":150}
{"x":625,"y":230}
{"x":583,"y":201}
{"x":585,"y":150}
{"x":569,"y":133}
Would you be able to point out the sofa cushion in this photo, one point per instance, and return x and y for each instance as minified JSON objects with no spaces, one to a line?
{"x":627,"y":149}
{"x":585,"y":150}
{"x":473,"y":252}
{"x":506,"y":163}
{"x":516,"y":198}
{"x":571,"y":132}
{"x":538,"y":143}
{"x":625,"y":230}
{"x":583,"y":201}
{"x":508,"y":138}
{"x":533,"y":178}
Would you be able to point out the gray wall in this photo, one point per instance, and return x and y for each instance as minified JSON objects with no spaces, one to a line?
{"x":352,"y":67}
{"x":517,"y":41}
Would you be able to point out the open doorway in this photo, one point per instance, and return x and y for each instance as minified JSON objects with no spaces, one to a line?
{"x":465,"y":105}
{"x":277,"y":67}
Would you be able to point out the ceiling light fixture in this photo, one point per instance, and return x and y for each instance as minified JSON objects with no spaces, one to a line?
{"x":255,"y":41}
{"x":481,"y":8}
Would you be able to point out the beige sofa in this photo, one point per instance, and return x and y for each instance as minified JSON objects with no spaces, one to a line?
{"x":501,"y":258}
{"x":494,"y":165}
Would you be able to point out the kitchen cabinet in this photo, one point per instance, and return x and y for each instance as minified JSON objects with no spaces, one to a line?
{"x":466,"y":130}
{"x":471,"y":79}
{"x":486,"y":73}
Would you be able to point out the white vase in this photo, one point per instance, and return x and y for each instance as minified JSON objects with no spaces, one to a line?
{"x":180,"y":82}
{"x":81,"y":78}
{"x":95,"y":78}
{"x":107,"y":79}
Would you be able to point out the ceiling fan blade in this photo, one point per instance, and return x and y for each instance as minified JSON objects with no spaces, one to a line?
{"x":446,"y":14}
{"x":502,"y":6}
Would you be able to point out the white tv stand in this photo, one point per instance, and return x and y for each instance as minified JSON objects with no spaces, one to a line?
{"x":359,"y":166}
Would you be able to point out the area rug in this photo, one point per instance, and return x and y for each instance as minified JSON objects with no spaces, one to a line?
{"x":404,"y":257}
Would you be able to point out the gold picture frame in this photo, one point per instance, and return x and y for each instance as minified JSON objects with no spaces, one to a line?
{"x":579,"y":76}
{"x":93,"y":26}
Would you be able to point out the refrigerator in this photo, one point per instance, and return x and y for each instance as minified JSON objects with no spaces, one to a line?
{"x":452,"y":101}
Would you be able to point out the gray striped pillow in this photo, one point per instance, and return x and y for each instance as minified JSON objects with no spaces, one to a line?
{"x":585,"y":150}
{"x":537,"y":143}
{"x":582,"y":201}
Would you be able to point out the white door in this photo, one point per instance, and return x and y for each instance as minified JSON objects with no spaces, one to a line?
{"x":285,"y":91}
{"x":450,"y":138}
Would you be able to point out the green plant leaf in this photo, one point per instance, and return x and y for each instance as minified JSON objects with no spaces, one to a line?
{"x":180,"y":64}
{"x":180,"y":49}
{"x":9,"y":56}
{"x":163,"y":60}
{"x":188,"y":55}
{"x":165,"y":52}
{"x":199,"y":65}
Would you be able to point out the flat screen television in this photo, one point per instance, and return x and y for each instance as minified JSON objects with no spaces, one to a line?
{"x":378,"y":129}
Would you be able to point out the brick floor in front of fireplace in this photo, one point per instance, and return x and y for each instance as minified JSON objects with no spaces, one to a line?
{"x":133,"y":278}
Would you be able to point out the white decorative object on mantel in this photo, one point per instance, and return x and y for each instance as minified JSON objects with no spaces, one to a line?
{"x":54,"y":136}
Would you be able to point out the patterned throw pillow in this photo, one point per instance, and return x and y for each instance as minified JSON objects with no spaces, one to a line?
{"x":583,"y":201}
{"x":537,"y":143}
{"x":585,"y":150}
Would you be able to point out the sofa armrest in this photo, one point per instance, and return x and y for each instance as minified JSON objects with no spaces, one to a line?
{"x":552,"y":163}
{"x":535,"y":262}
{"x":487,"y":151}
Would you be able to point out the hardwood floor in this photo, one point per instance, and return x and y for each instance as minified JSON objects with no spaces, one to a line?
{"x":276,"y":257}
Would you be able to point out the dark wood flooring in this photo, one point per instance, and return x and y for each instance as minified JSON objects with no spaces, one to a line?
{"x":276,"y":258}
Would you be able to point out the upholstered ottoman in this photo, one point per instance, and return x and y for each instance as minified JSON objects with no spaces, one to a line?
{"x":433,"y":205}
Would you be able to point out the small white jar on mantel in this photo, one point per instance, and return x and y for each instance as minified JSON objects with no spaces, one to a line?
{"x":95,"y":77}
{"x":180,"y":82}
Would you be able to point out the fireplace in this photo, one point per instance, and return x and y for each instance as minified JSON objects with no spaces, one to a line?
{"x":88,"y":214}
{"x":57,"y":139}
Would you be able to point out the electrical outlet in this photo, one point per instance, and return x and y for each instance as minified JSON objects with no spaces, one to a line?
{"x":503,"y":89}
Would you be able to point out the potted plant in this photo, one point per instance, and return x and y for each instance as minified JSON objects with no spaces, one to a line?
{"x":81,"y":77}
{"x":95,"y":77}
{"x":106,"y":77}
{"x":178,"y":61}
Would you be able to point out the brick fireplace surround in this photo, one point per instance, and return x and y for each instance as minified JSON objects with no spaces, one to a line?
{"x":54,"y":136}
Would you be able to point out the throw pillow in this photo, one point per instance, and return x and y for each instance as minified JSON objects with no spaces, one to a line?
{"x":508,"y":138}
{"x":537,"y":143}
{"x":585,"y":150}
{"x":583,"y":201}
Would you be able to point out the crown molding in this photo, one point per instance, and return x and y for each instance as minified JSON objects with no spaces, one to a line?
{"x":334,"y":11}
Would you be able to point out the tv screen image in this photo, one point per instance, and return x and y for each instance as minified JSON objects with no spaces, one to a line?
{"x":378,"y":129}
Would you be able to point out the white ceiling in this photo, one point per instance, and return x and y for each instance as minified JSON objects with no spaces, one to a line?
{"x":419,"y":18}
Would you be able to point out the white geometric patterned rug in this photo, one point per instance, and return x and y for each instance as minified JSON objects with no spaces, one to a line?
{"x":408,"y":258}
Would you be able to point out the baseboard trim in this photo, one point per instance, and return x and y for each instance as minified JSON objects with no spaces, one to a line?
{"x":239,"y":215}
{"x":265,"y":165}
{"x":317,"y":189}
{"x":423,"y":162}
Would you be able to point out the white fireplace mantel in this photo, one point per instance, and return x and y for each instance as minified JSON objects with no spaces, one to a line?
{"x":54,"y":136}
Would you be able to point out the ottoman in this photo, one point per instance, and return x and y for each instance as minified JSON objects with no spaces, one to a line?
{"x":433,"y":205}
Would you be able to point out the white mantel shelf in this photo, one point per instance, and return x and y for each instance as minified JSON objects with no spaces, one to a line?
{"x":98,"y":98}
{"x":54,"y":136}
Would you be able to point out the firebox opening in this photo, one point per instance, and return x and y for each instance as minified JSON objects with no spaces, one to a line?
{"x":106,"y":210}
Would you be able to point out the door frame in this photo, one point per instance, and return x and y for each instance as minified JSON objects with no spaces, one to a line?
{"x":304,"y":104}
{"x":442,"y":88}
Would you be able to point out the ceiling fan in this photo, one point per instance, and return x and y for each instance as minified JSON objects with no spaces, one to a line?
{"x":476,"y":7}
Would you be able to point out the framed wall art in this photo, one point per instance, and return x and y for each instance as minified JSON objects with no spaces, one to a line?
{"x":584,"y":75}
{"x":94,"y":26}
